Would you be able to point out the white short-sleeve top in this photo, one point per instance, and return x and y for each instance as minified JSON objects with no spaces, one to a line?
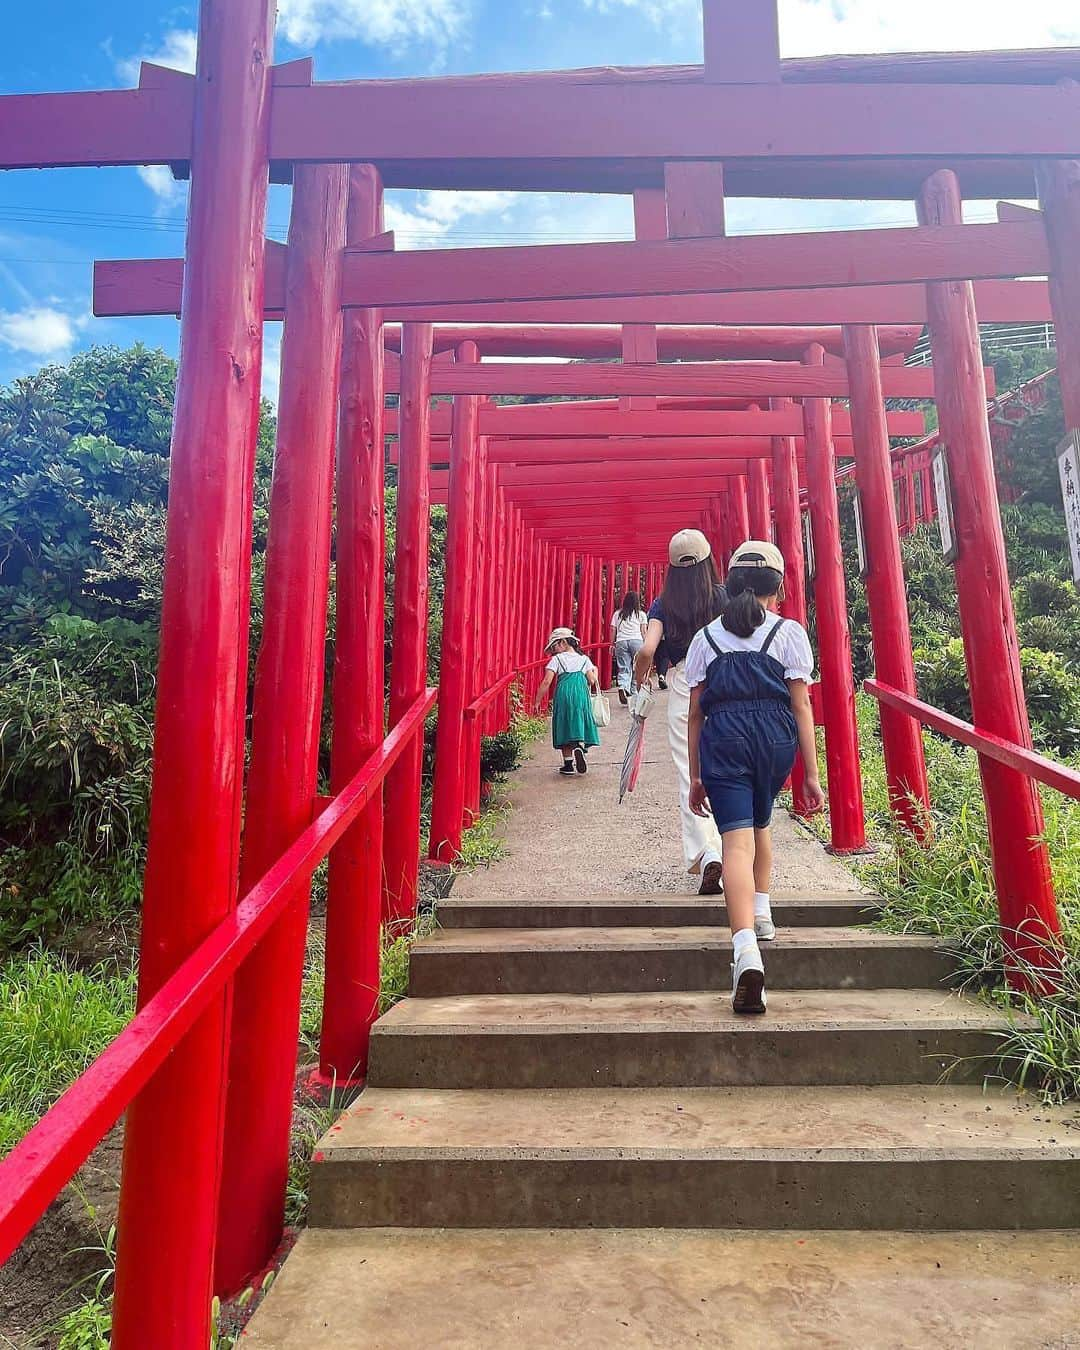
{"x":565,"y":663}
{"x":791,"y":647}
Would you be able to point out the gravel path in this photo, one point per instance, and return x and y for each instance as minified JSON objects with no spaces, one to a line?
{"x":570,"y":836}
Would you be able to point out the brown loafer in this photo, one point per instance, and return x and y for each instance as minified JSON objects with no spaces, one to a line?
{"x":712,"y":879}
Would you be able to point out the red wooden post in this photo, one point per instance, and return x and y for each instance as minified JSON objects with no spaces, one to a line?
{"x":760,"y":505}
{"x":1059,"y":195}
{"x":408,"y":661}
{"x":448,"y":792}
{"x":286,"y":720}
{"x":901,"y":737}
{"x":847,"y":824}
{"x":741,"y":509}
{"x":479,"y":638}
{"x":172,"y":1145}
{"x":612,"y":602}
{"x":789,"y":540}
{"x":354,"y":887}
{"x":493,"y":545}
{"x":1013,"y":811}
{"x":639,"y":340}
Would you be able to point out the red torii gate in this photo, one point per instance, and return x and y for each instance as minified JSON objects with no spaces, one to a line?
{"x":815,"y":129}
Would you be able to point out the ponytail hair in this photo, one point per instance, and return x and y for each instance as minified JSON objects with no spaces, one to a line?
{"x":746,"y":588}
{"x":574,"y":645}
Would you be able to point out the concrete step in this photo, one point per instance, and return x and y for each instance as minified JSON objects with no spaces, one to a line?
{"x":636,"y":1290}
{"x":763,"y":1158}
{"x":682,"y":1039}
{"x":636,"y":960}
{"x":637,"y":911}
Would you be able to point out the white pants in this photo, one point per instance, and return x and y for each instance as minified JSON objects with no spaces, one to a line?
{"x":699,"y":833}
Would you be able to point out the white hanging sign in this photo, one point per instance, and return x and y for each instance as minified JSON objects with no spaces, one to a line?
{"x":939,"y":469}
{"x":1069,"y":473}
{"x":860,"y":537}
{"x":808,"y":547}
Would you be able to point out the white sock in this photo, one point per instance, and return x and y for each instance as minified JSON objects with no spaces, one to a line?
{"x":709,"y":856}
{"x":762,"y":905}
{"x":742,"y":940}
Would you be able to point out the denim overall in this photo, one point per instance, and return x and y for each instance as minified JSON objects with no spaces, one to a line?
{"x":749,"y":738}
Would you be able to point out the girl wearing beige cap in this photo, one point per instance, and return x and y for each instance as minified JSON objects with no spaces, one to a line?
{"x":749,"y":672}
{"x":573,"y":727}
{"x":692,"y":596}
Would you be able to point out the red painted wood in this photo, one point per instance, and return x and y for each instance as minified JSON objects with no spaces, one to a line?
{"x":172,"y":1144}
{"x":658,"y":487}
{"x":1014,"y":813}
{"x":744,"y":379}
{"x":39,"y":1167}
{"x":286,"y":721}
{"x":787,"y":518}
{"x":760,"y":499}
{"x":905,"y":763}
{"x":116,"y":126}
{"x":695,"y":198}
{"x":479,"y":647}
{"x":588,"y":451}
{"x":742,"y":41}
{"x":587,"y":474}
{"x":675,"y":344}
{"x":459,"y":629}
{"x":153,"y":286}
{"x":408,"y":664}
{"x":354,"y":888}
{"x":846,"y":818}
{"x":482,"y":123}
{"x":1058,"y":776}
{"x":740,"y":507}
{"x":746,"y":263}
{"x":639,"y":341}
{"x":1059,"y":193}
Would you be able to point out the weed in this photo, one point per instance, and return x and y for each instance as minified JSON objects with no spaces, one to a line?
{"x":54,"y":1021}
{"x":394,"y":985}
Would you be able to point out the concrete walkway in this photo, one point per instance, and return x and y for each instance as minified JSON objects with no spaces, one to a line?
{"x":571,"y":835}
{"x":569,"y":1140}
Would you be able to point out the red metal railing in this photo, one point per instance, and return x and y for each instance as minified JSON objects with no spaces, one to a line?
{"x":48,"y":1157}
{"x":1028,"y":931}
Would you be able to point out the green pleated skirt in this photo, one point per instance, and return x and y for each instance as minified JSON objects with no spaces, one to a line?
{"x":572,"y":720}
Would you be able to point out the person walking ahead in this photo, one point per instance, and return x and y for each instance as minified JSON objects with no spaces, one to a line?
{"x":573,"y":727}
{"x":627,"y":633}
{"x":749,"y":673}
{"x":692,"y":595}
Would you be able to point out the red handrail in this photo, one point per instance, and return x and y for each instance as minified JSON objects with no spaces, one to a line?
{"x":477,"y":706}
{"x":1036,"y":766}
{"x":38,"y":1168}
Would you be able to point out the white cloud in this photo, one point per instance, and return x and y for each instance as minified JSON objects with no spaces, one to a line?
{"x":382,"y":23}
{"x":39,"y":330}
{"x":436,"y":214}
{"x":818,"y":27}
{"x":176,"y":49}
{"x":158,"y":178}
{"x":271,"y":362}
{"x":658,"y":11}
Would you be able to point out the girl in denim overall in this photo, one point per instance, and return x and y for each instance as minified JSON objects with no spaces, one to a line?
{"x":749,"y":673}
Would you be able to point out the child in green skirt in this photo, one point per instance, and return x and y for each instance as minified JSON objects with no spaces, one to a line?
{"x":573,"y":727}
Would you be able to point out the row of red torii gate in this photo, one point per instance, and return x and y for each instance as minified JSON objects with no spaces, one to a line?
{"x":744,"y":369}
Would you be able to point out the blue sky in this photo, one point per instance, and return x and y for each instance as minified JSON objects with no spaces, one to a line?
{"x":54,"y":223}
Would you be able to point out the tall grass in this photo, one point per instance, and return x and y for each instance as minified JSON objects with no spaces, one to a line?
{"x":946,"y":888}
{"x":54,"y":1020}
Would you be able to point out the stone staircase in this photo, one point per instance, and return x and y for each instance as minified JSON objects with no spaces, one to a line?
{"x":574,"y":1065}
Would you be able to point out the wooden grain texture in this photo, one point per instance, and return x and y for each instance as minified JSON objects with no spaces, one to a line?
{"x":747,"y":263}
{"x":742,"y":378}
{"x":153,"y":286}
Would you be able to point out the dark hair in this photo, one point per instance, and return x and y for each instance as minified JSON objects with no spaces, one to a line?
{"x":631,"y":604}
{"x":691,"y":598}
{"x":746,"y":587}
{"x":573,"y":644}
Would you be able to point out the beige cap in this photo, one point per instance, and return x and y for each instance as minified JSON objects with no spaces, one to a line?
{"x":758,"y":553}
{"x":687,"y":548}
{"x":559,"y":635}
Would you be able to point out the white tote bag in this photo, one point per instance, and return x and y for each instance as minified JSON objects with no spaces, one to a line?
{"x":601,"y":709}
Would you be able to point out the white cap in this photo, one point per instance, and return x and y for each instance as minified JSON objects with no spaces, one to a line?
{"x":758,"y":553}
{"x":687,"y":548}
{"x":558,"y":635}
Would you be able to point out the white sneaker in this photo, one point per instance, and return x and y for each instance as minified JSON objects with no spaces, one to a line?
{"x":764,"y":929}
{"x":748,"y":982}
